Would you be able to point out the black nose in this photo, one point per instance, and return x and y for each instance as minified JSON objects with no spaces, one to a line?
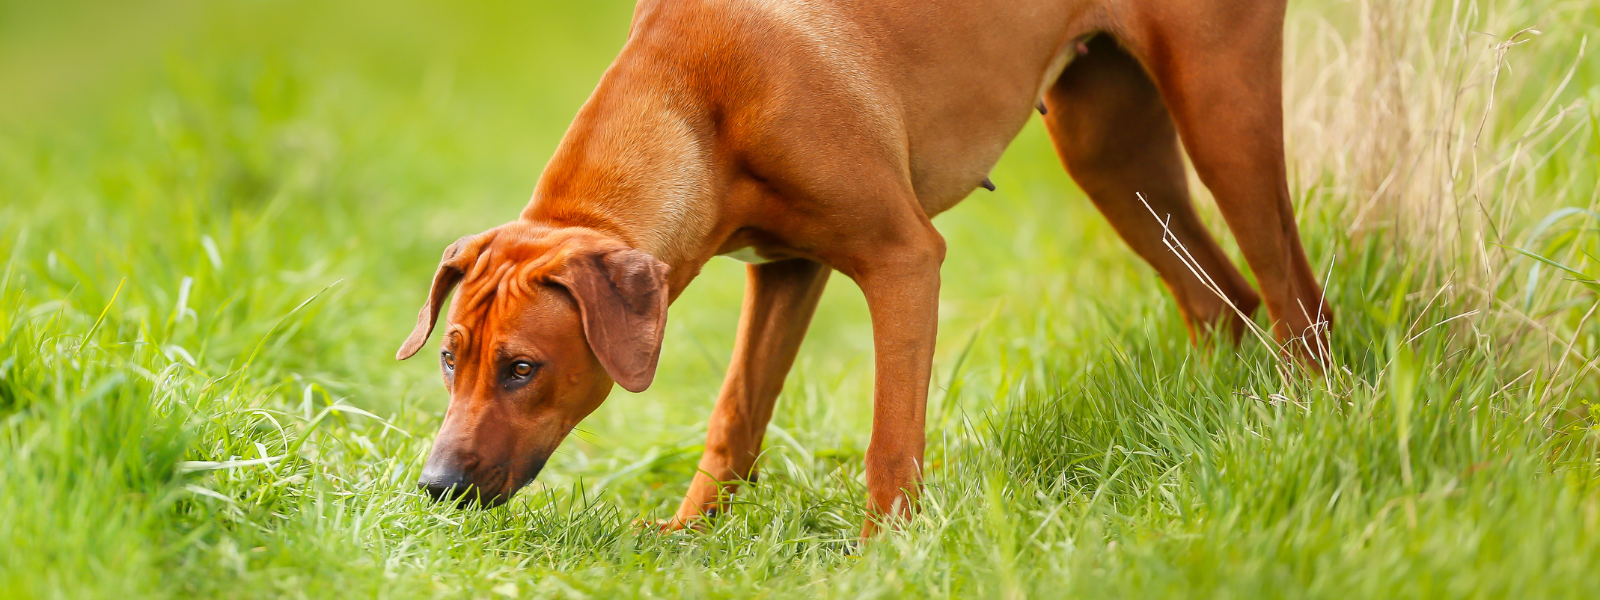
{"x":445,"y":484}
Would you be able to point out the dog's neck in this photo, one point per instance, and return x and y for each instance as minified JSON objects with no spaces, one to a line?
{"x":637,"y":164}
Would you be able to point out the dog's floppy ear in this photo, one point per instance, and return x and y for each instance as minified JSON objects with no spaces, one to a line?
{"x":452,"y":267}
{"x":622,"y":296}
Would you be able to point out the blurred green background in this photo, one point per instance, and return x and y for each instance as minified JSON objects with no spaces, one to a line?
{"x":218,"y":220}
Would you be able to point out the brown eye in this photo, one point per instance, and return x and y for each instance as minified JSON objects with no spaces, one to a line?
{"x":449,"y":360}
{"x":521,"y":370}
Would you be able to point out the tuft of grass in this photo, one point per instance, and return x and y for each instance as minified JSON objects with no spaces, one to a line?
{"x":217,"y":220}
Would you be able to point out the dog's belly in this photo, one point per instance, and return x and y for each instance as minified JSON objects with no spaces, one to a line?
{"x":969,"y":74}
{"x":953,"y":156}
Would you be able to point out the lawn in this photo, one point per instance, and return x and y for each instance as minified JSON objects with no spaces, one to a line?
{"x":218,"y":219}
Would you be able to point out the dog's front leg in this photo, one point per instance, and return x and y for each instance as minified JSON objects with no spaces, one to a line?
{"x":900,"y":280}
{"x":779,"y":299}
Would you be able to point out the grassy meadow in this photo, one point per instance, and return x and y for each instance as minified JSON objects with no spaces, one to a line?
{"x":218,"y":219}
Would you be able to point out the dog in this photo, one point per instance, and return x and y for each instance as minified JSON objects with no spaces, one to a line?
{"x":811,"y":136}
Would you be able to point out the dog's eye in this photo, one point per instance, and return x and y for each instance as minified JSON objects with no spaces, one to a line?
{"x":521,"y":370}
{"x":449,"y":359}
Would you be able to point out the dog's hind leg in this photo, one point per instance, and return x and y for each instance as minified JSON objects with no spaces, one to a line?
{"x":1116,"y":139}
{"x":780,"y":298}
{"x":1223,"y":84}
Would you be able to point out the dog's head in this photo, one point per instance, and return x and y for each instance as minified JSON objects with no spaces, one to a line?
{"x":545,"y":321}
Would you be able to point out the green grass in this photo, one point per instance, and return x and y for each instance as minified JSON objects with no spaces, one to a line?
{"x":217,"y":221}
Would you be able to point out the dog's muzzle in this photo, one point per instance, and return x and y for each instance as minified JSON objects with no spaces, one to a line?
{"x":488,"y":488}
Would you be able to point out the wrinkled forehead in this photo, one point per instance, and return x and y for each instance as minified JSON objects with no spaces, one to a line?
{"x":503,"y":290}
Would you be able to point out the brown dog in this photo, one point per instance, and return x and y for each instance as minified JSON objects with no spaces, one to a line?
{"x":818,"y":135}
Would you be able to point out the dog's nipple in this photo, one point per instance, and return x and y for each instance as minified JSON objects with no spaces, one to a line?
{"x":988,"y":185}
